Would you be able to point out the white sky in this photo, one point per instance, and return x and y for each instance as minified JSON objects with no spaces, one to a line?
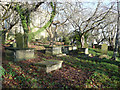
{"x":65,"y":0}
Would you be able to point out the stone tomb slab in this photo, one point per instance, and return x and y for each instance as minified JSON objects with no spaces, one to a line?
{"x":49,"y":65}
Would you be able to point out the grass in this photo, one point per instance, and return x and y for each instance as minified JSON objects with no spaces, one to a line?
{"x":104,"y":72}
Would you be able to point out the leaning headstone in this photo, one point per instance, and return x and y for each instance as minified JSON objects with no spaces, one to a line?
{"x":104,"y":49}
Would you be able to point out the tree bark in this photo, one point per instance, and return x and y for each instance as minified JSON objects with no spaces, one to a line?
{"x":117,"y":34}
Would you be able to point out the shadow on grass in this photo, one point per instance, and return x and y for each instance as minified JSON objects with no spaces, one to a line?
{"x":99,"y":60}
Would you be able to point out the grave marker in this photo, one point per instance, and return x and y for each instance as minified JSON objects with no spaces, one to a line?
{"x":104,"y":49}
{"x":19,"y":40}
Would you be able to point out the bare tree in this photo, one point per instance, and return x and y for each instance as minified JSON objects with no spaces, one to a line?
{"x":84,"y":23}
{"x":8,"y":17}
{"x":118,"y":32}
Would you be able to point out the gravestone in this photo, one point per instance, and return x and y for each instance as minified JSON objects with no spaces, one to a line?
{"x":104,"y":49}
{"x":19,"y":40}
{"x":74,"y":47}
{"x":49,"y":65}
{"x":70,"y":48}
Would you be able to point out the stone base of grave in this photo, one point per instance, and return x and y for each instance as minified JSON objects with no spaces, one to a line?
{"x":49,"y":65}
{"x":17,"y":54}
{"x":53,"y":50}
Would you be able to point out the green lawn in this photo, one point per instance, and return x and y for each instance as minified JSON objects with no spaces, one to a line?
{"x":104,"y":73}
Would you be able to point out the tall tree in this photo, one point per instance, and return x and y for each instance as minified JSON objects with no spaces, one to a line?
{"x":24,"y":13}
{"x":24,"y":10}
{"x":117,"y":33}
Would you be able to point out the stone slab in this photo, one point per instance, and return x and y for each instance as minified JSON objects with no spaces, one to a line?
{"x":49,"y":65}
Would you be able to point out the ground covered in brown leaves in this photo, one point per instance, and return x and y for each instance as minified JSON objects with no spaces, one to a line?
{"x":23,"y":74}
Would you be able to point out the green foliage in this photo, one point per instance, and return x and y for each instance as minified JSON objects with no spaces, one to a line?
{"x":66,"y":40}
{"x":105,"y":72}
{"x":77,"y":35}
{"x":2,"y":72}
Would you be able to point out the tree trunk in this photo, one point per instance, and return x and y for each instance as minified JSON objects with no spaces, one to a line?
{"x":117,"y":33}
{"x":82,"y":42}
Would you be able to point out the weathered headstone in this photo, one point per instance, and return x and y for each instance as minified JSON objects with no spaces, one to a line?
{"x":104,"y":49}
{"x":19,"y":40}
{"x":70,"y":48}
{"x":74,"y":47}
{"x":49,"y":65}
